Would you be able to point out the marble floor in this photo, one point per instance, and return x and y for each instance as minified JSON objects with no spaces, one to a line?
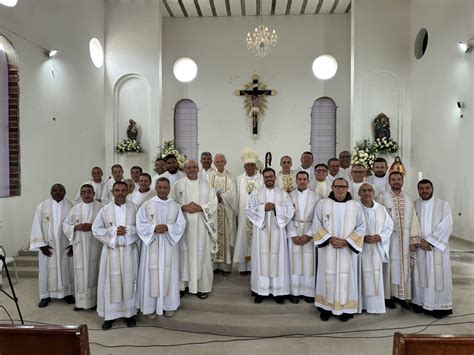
{"x":365,"y":334}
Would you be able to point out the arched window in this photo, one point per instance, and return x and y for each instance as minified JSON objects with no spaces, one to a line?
{"x":186,"y":128}
{"x":323,"y":129}
{"x":9,"y":120}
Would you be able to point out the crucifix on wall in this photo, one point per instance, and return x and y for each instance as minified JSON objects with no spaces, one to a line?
{"x":255,"y":101}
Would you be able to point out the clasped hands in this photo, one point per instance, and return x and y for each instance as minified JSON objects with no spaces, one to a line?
{"x":372,"y":239}
{"x":424,"y":245}
{"x":338,"y":243}
{"x":191,"y":208}
{"x":269,"y":206}
{"x":161,"y":228}
{"x":83,"y":227}
{"x":301,"y":240}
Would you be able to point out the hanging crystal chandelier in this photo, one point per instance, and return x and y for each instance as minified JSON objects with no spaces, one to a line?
{"x":261,"y":41}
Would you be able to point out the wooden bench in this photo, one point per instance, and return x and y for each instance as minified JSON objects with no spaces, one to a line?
{"x":419,"y":344}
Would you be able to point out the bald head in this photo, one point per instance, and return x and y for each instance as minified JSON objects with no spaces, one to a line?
{"x":191,"y":169}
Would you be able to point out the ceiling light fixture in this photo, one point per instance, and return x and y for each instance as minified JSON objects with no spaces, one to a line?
{"x":261,"y":41}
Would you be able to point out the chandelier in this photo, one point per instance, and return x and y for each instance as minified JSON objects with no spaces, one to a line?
{"x":261,"y":41}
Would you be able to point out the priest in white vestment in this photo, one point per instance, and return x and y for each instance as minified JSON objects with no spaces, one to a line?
{"x":301,"y":249}
{"x":333,"y":170}
{"x":159,"y":169}
{"x":307,"y":164}
{"x":403,"y":241}
{"x":96,"y":182}
{"x":345,"y":165}
{"x":55,"y":280}
{"x":358,"y":174}
{"x":115,"y":227}
{"x":432,"y":279}
{"x":144,"y":192}
{"x":172,"y":173}
{"x":248,"y":182}
{"x":375,"y":252}
{"x":78,"y":228}
{"x":321,"y":185}
{"x":286,"y":178}
{"x":206,"y":165}
{"x":223,"y":184}
{"x":117,"y":175}
{"x":135,"y":172}
{"x":270,"y":210}
{"x":160,"y":225}
{"x":198,"y":245}
{"x":380,"y":177}
{"x":340,"y":225}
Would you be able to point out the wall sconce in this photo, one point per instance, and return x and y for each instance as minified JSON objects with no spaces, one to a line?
{"x":466,"y":46}
{"x":51,"y":53}
{"x":461,"y":107}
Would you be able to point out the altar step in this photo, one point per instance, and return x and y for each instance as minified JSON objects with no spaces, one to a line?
{"x":26,"y":265}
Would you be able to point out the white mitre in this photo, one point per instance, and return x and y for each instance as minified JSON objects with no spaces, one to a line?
{"x":249,"y":155}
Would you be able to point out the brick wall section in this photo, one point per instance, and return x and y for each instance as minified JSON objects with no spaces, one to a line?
{"x":14,"y":129}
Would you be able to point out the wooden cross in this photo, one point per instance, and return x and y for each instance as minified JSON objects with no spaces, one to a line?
{"x":255,"y":100}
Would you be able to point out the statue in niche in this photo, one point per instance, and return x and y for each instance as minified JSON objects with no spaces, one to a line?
{"x":381,"y":127}
{"x":132,"y":130}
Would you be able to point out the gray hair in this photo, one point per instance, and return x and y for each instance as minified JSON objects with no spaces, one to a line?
{"x":189,"y":161}
{"x":219,"y":155}
{"x":206,"y":154}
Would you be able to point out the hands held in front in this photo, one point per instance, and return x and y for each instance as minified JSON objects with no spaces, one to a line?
{"x":424,"y":245}
{"x":372,"y":239}
{"x":301,"y":240}
{"x":338,"y":243}
{"x":121,"y":230}
{"x":83,"y":227}
{"x":161,"y":228}
{"x":191,"y":208}
{"x":269,"y":206}
{"x":46,"y":250}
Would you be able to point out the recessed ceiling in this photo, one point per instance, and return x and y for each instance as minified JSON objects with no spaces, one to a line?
{"x":210,"y":8}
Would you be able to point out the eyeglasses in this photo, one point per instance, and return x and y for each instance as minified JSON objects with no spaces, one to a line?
{"x":340,"y":187}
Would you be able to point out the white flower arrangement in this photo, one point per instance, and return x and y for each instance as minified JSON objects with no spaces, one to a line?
{"x":364,"y":154}
{"x":385,"y":146}
{"x":169,"y":147}
{"x":129,"y":146}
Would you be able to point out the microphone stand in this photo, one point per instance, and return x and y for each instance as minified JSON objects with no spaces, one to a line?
{"x":13,"y":295}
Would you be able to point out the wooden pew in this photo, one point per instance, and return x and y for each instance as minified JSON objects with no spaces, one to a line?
{"x":420,"y":344}
{"x":47,"y":340}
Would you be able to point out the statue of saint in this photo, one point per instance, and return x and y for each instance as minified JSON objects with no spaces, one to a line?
{"x":132,"y":131}
{"x":398,"y":166}
{"x":382,"y":126}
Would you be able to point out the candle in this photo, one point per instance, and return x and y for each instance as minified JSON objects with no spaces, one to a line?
{"x":420,"y":175}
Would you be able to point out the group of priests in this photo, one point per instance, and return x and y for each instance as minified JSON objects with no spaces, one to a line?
{"x":324,"y":233}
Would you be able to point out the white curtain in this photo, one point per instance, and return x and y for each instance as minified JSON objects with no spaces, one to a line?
{"x":186,"y":128}
{"x":323,"y":130}
{"x":4,"y":150}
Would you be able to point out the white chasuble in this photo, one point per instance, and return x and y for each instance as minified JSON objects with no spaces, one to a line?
{"x":270,"y":269}
{"x":432,"y":279}
{"x":338,"y":269}
{"x":302,"y":257}
{"x":86,"y":253}
{"x":378,"y":222}
{"x":117,"y":286}
{"x":224,"y":183}
{"x":55,"y":279}
{"x":158,"y":289}
{"x":139,"y":198}
{"x":322,"y":188}
{"x":243,"y":241}
{"x":199,"y":242}
{"x":286,"y":182}
{"x":406,"y":232}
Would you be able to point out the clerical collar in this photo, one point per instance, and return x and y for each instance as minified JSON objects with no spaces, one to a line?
{"x":302,"y":190}
{"x":123,"y":204}
{"x":369,"y":207}
{"x":144,"y":191}
{"x":270,"y":188}
{"x":160,"y":199}
{"x":347,"y":198}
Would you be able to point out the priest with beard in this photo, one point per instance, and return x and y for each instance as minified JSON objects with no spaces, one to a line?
{"x":340,"y":226}
{"x":172,"y":173}
{"x":269,"y":209}
{"x":380,"y":177}
{"x":432,"y":279}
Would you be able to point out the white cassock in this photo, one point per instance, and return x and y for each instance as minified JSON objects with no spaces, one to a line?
{"x":354,"y":189}
{"x":243,"y":241}
{"x":203,"y":173}
{"x":139,"y":198}
{"x":270,"y":269}
{"x":97,"y":186}
{"x":55,"y":279}
{"x":322,"y":188}
{"x":226,"y":217}
{"x":86,"y":256}
{"x":302,"y":257}
{"x":199,"y":241}
{"x":338,"y":269}
{"x":381,"y":185}
{"x":286,"y":182}
{"x":117,"y":287}
{"x":106,"y":195}
{"x":432,"y":279}
{"x":158,"y":280}
{"x":345,"y":173}
{"x":371,"y":290}
{"x":332,"y":178}
{"x":173,"y":177}
{"x":406,"y":232}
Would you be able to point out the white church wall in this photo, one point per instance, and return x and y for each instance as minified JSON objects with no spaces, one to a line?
{"x":225,"y":65}
{"x":69,"y":89}
{"x":133,"y":80}
{"x":442,"y":146}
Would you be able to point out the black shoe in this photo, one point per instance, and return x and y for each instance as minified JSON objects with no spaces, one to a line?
{"x":69,"y":299}
{"x":389,"y":303}
{"x":243,"y":273}
{"x":258,"y":299}
{"x":131,"y":322}
{"x":181,"y":294}
{"x":107,"y":324}
{"x":93,"y":308}
{"x":325,"y":315}
{"x":344,"y":317}
{"x":77,"y":309}
{"x":416,"y":308}
{"x":44,"y":302}
{"x":280,"y":299}
{"x":404,"y":304}
{"x":294,"y":299}
{"x":309,"y":299}
{"x":226,"y":273}
{"x":253,"y":293}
